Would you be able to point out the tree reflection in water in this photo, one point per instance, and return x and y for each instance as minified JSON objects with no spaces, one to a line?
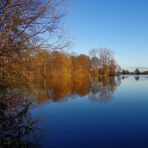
{"x":137,"y":78}
{"x":16,"y":125}
{"x":103,"y":89}
{"x":98,"y":91}
{"x":18,"y":129}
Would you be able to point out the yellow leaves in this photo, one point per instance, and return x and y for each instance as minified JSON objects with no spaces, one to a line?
{"x":56,"y":71}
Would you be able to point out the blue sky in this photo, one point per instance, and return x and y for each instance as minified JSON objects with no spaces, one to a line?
{"x":120,"y":25}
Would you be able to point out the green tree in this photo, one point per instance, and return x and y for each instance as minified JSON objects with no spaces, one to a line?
{"x":137,"y":71}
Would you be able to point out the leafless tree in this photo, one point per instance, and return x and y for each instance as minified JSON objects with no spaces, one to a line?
{"x":103,"y":61}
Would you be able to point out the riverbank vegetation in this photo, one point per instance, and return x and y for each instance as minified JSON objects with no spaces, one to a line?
{"x":46,"y":67}
{"x":28,"y":58}
{"x":33,"y":63}
{"x":34,"y":66}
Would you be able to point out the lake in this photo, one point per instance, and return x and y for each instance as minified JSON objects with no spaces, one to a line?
{"x":107,"y":114}
{"x":105,"y":117}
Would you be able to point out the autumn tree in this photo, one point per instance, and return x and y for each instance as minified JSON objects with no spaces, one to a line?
{"x":22,"y":23}
{"x":124,"y":71}
{"x":113,"y":67}
{"x":102,"y":62}
{"x":94,"y":62}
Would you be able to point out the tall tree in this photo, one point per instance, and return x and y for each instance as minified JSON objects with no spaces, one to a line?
{"x":102,"y":62}
{"x":22,"y":23}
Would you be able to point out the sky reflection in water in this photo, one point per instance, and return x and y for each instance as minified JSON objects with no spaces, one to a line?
{"x":113,"y":114}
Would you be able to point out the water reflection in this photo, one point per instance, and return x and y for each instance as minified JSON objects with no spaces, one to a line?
{"x":17,"y":127}
{"x":103,"y":89}
{"x":100,"y":90}
{"x":121,"y":123}
{"x":124,"y":77}
{"x":137,"y":78}
{"x":16,"y":124}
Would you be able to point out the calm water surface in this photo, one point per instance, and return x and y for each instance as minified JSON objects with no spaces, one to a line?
{"x":109,"y":115}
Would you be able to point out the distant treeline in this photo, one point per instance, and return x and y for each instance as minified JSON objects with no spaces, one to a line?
{"x":137,"y":72}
